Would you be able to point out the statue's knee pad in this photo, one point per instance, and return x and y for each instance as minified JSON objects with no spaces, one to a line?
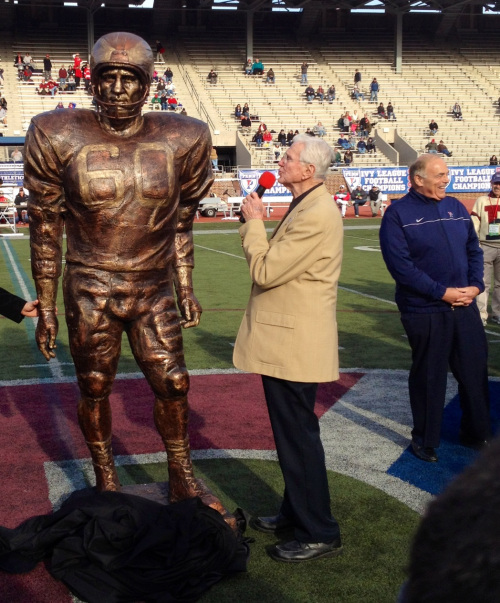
{"x":94,"y":385}
{"x":175,"y":384}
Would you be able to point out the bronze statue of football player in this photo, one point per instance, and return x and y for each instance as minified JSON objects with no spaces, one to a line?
{"x":125,"y":187}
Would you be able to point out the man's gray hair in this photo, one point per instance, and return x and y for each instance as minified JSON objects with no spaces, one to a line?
{"x":419,"y":167}
{"x":316,"y":152}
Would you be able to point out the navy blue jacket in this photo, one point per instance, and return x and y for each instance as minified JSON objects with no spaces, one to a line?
{"x":429,"y":245}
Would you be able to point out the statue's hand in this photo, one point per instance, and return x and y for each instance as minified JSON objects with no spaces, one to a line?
{"x":46,"y":332}
{"x":190,"y":308}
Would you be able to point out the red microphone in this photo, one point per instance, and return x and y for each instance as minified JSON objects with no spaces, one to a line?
{"x":266,"y":181}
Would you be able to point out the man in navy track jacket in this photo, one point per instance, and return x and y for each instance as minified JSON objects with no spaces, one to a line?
{"x":431,"y":250}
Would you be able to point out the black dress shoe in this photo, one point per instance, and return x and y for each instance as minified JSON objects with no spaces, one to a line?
{"x":269,"y":525}
{"x":427,"y":454}
{"x":295,"y":551}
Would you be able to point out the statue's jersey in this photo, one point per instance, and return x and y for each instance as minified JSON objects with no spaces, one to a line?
{"x":127,"y":202}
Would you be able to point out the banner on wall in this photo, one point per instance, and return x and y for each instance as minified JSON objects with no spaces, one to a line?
{"x":12,"y":174}
{"x":395,"y":181}
{"x":249,"y":180}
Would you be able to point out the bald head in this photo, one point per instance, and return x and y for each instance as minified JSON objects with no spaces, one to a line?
{"x":429,"y":176}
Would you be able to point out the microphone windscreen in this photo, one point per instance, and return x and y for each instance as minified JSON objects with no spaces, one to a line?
{"x":267,"y":180}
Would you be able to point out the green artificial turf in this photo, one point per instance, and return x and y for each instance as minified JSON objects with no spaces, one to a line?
{"x":376,"y":533}
{"x":370,"y":331}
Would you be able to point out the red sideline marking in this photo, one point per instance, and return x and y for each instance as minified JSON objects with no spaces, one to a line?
{"x":39,"y":423}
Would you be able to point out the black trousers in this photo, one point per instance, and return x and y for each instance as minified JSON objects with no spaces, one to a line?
{"x":306,"y":500}
{"x":438,"y":340}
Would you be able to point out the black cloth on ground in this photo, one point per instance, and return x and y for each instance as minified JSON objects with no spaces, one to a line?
{"x":121,"y":548}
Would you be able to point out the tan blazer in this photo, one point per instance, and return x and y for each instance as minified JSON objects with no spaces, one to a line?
{"x":289,"y":329}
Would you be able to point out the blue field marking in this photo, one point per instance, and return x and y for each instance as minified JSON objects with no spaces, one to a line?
{"x":453,"y":458}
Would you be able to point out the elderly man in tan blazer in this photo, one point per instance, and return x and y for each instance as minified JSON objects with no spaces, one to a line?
{"x":289,"y":336}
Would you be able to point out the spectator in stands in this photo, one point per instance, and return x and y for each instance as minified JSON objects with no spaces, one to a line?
{"x":493,"y":160}
{"x":289,"y":138}
{"x":374,"y":90}
{"x":337,"y":158}
{"x":63,"y":74}
{"x":319,"y":130}
{"x":71,"y":105}
{"x":354,"y":126}
{"x":183,"y":111}
{"x":164,"y":100}
{"x":341,"y":198}
{"x":357,"y":78}
{"x":303,"y":73}
{"x":170,"y":89}
{"x":277,"y":152}
{"x":212,"y":77}
{"x":86,"y":77}
{"x":27,"y":73}
{"x":330,"y":94}
{"x":357,"y":94}
{"x":381,"y":111}
{"x":47,"y":67}
{"x":77,"y":61}
{"x":246,"y":124}
{"x":238,"y":111}
{"x":262,"y":127}
{"x":257,"y":67}
{"x":353,"y":141}
{"x":78,"y":76}
{"x":365,"y":125}
{"x":296,"y":133}
{"x":156,"y":102}
{"x":258,"y":139}
{"x":442,"y":148}
{"x":390,"y":111}
{"x":248,"y":67}
{"x":431,"y":146}
{"x":59,"y":106}
{"x":27,"y":60}
{"x":71,"y":83}
{"x":348,"y":157}
{"x":3,"y":116}
{"x":160,"y":51}
{"x":343,"y":142}
{"x":433,"y":127}
{"x":53,"y":87}
{"x":457,"y":111}
{"x":370,"y":145}
{"x":361,"y":146}
{"x":282,"y":138}
{"x":3,"y":101}
{"x":270,"y":78}
{"x":16,"y":156}
{"x":347,"y":121}
{"x":154,"y":77}
{"x":358,"y":198}
{"x":1,"y":77}
{"x":18,"y":61}
{"x":320,"y":93}
{"x":375,"y":197}
{"x":309,"y":132}
{"x":267,"y":137}
{"x":309,"y":92}
{"x":161,"y":85}
{"x":246,"y":110}
{"x":172,"y":103}
{"x":168,"y":75}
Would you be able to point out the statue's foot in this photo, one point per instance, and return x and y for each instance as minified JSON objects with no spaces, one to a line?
{"x":181,"y":488}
